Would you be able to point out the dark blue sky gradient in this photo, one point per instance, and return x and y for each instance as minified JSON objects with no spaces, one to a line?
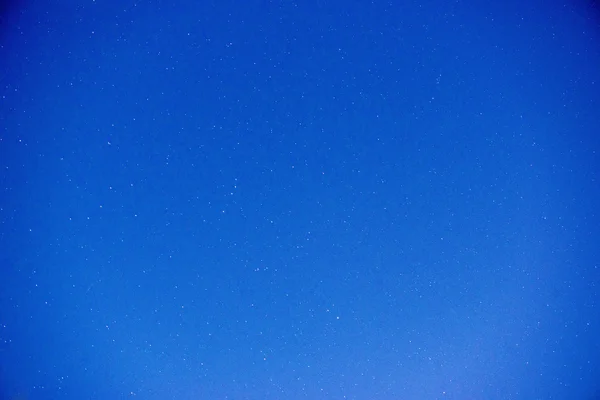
{"x":313,"y":200}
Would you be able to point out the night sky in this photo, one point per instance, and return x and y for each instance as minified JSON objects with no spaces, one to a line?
{"x":299,"y":200}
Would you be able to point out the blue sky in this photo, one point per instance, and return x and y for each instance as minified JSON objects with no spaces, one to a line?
{"x":319,"y":200}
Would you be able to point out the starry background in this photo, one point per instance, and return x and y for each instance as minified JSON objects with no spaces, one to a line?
{"x":299,"y":200}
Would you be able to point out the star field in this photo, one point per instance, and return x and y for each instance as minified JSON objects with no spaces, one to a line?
{"x":280,"y":200}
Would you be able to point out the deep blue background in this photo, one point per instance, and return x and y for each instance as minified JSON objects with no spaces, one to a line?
{"x":311,"y":200}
